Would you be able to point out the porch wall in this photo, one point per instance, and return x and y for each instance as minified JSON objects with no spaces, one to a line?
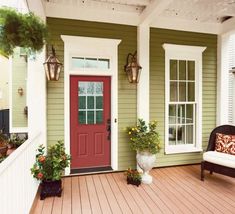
{"x":157,"y":86}
{"x":126,"y":91}
{"x":19,"y":78}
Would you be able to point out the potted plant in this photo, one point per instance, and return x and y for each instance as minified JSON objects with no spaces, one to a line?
{"x":3,"y":144}
{"x":145,"y":141}
{"x":23,"y":30}
{"x":133,"y":177}
{"x":16,"y":141}
{"x":49,"y":169}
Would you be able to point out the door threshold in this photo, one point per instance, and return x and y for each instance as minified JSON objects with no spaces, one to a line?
{"x":91,"y":170}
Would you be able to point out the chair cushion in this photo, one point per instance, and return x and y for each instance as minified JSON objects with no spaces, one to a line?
{"x":219,"y":158}
{"x":225,"y":143}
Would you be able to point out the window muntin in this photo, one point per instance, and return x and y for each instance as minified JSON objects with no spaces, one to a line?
{"x":182,"y":103}
{"x":90,"y":102}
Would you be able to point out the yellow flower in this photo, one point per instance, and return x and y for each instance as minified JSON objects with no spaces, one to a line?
{"x":129,"y":132}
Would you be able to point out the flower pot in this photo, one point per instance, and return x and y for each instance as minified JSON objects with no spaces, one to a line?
{"x":133,"y":182}
{"x":145,"y":161}
{"x":3,"y":149}
{"x":50,"y":188}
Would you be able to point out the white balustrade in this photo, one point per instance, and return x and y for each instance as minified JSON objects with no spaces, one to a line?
{"x":18,"y":188}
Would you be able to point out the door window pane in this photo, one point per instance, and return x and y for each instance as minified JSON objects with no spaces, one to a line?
{"x":82,"y":117}
{"x":99,"y":117}
{"x":90,"y":102}
{"x":90,"y":117}
{"x":99,"y":102}
{"x":99,"y":88}
{"x":82,"y":102}
{"x":90,"y":106}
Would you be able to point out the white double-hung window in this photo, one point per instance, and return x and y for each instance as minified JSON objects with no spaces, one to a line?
{"x":183,"y":98}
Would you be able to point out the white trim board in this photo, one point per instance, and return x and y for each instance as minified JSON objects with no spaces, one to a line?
{"x":184,"y":52}
{"x":99,"y":48}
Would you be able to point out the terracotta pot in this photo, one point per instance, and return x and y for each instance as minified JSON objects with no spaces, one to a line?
{"x":50,"y":188}
{"x":3,"y":149}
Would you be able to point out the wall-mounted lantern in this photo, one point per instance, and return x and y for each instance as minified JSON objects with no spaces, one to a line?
{"x":20,"y":91}
{"x":52,"y":67}
{"x":132,"y":68}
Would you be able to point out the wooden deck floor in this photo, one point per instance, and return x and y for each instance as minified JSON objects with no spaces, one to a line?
{"x":174,"y":190}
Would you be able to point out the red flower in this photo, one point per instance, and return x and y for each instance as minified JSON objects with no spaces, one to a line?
{"x":40,"y":175}
{"x":41,"y":159}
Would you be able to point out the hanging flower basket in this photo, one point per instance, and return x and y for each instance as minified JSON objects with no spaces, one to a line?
{"x":23,"y":30}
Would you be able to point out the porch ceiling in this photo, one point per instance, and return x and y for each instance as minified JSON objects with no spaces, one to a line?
{"x":208,"y":16}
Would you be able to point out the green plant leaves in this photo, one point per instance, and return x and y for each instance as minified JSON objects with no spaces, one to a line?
{"x":23,"y":30}
{"x":143,"y":137}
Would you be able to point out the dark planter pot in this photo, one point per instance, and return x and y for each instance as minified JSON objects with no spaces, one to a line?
{"x":50,"y":188}
{"x":133,"y":182}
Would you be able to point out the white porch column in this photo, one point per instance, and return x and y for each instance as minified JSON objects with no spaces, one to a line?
{"x":222,"y":79}
{"x":36,"y":84}
{"x":143,"y":40}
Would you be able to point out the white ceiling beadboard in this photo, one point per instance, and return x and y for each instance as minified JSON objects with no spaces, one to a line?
{"x":200,"y":15}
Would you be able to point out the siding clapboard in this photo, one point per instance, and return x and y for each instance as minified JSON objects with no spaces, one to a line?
{"x":19,"y":78}
{"x":126,"y":91}
{"x":157,"y":86}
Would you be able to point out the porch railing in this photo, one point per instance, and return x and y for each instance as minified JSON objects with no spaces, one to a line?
{"x":17,"y":186}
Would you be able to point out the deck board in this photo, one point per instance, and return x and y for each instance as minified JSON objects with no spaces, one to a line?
{"x":174,"y":190}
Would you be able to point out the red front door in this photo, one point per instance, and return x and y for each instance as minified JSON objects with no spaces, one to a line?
{"x":90,"y":121}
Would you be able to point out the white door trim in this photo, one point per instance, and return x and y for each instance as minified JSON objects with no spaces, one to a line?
{"x":99,"y":48}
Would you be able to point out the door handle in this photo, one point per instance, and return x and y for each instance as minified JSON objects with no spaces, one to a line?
{"x":108,"y":128}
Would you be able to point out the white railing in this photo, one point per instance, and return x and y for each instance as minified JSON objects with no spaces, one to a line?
{"x":17,"y":186}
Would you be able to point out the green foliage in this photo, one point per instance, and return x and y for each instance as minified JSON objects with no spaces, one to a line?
{"x":133,"y":174}
{"x":51,"y":165}
{"x":23,"y":30}
{"x":3,"y":138}
{"x":16,"y":141}
{"x":143,"y":137}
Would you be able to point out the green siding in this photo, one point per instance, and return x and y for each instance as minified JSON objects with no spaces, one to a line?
{"x":19,"y":78}
{"x":157,"y":86}
{"x":126,"y":91}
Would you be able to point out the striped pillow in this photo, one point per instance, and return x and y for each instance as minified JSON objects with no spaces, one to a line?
{"x":225,"y":143}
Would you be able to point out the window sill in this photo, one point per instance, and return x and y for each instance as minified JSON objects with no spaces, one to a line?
{"x":182,"y":149}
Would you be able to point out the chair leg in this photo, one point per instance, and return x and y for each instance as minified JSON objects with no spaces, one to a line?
{"x":211,"y":172}
{"x":202,"y":171}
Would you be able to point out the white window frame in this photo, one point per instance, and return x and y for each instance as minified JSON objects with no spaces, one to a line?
{"x":78,"y":46}
{"x":184,"y":52}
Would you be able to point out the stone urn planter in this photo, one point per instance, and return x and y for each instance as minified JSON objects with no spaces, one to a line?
{"x":145,"y":161}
